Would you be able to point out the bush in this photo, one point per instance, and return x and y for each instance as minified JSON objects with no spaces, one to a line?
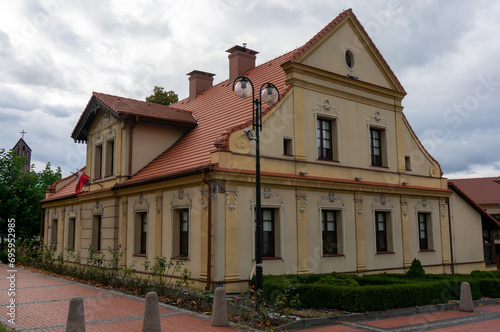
{"x":416,"y":270}
{"x":338,"y":280}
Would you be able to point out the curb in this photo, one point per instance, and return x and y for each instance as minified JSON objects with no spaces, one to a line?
{"x":371,"y":315}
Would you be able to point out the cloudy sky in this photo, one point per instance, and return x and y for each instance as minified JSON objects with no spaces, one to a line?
{"x":54,"y":53}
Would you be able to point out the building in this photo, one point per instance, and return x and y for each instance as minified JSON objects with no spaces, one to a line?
{"x":23,"y":150}
{"x":346,"y":184}
{"x":486,"y":193}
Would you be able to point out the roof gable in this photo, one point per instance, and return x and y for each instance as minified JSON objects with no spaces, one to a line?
{"x":326,"y":51}
{"x":125,"y":109}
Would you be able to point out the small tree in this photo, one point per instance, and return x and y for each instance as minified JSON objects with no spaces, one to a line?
{"x":20,"y":194}
{"x":160,"y":96}
{"x":416,"y":269}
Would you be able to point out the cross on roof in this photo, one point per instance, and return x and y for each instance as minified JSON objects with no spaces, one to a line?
{"x":23,"y":132}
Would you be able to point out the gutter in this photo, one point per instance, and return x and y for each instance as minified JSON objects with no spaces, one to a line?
{"x":161,"y":178}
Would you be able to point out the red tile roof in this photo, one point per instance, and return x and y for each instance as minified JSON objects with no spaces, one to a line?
{"x":126,"y":106}
{"x":481,"y":190}
{"x":130,"y":109}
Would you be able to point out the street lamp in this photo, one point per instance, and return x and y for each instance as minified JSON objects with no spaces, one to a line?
{"x":269,"y":94}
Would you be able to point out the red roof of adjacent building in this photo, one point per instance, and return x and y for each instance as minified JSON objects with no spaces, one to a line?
{"x":481,"y":190}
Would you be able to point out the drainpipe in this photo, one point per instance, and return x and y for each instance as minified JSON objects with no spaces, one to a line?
{"x":209,"y":231}
{"x":130,"y":147}
{"x":452,"y":267}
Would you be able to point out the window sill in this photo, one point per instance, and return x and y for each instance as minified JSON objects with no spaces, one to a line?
{"x":333,"y":255}
{"x":379,"y":166}
{"x":270,"y":258}
{"x":329,"y":160}
{"x":288,"y":155}
{"x":139,"y":255}
{"x":385,"y":252}
{"x":180,"y":258}
{"x":427,"y":250}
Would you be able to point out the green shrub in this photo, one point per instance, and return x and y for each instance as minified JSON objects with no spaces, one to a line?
{"x":484,"y":274}
{"x":338,"y":280}
{"x":416,"y":270}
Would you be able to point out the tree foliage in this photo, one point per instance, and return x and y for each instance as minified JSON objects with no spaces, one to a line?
{"x":160,"y":96}
{"x":20,"y":193}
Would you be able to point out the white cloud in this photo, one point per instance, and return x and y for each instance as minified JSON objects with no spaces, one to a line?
{"x":54,"y":53}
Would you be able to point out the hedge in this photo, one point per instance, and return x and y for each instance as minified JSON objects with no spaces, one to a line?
{"x":379,"y":292}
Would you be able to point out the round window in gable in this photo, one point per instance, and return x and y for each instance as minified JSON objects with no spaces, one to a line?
{"x":349,"y":59}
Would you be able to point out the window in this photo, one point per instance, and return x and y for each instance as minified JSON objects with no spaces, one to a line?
{"x":325,"y":150}
{"x":180,"y":239}
{"x":110,"y":160}
{"x":268,"y":233}
{"x":287,"y":146}
{"x":424,"y":231}
{"x":54,"y":233}
{"x":381,"y":233}
{"x":141,"y":231}
{"x":98,"y":162}
{"x":97,"y":232}
{"x":408,"y":163}
{"x":329,"y":229}
{"x":71,"y":233}
{"x":376,"y":146}
{"x":349,"y":59}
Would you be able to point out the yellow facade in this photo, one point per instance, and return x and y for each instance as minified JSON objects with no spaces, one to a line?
{"x":299,"y":189}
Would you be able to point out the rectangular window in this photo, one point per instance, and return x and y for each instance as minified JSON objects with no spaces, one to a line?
{"x":97,"y":232}
{"x":98,"y":162}
{"x":141,"y":231}
{"x":54,"y":233}
{"x":424,"y":231}
{"x":381,"y":231}
{"x":408,"y":163}
{"x":325,"y":133}
{"x":268,"y":233}
{"x":71,"y":233}
{"x":329,"y":230}
{"x":287,"y":146}
{"x":376,"y":146}
{"x":110,"y":160}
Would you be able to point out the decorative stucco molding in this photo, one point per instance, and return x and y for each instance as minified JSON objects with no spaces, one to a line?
{"x":180,"y":199}
{"x":234,"y":195}
{"x":378,"y":120}
{"x":330,"y":201}
{"x":141,"y":204}
{"x":358,"y":202}
{"x":404,"y":208}
{"x":302,"y":203}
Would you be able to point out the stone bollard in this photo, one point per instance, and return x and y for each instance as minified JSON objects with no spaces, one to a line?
{"x":151,"y":321}
{"x":219,"y":308}
{"x":466,"y":298}
{"x":76,"y":316}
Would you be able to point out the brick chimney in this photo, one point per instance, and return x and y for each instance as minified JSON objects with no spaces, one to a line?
{"x":241,"y":59}
{"x":199,"y":81}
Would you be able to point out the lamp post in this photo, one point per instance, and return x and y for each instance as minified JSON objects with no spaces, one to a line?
{"x":243,"y":87}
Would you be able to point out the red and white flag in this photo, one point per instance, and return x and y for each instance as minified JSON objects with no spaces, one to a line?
{"x":81,"y":182}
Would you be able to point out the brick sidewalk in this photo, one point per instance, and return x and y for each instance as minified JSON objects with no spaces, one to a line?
{"x":42,"y":302}
{"x":484,"y":318}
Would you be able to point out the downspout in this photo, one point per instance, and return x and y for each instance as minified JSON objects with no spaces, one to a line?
{"x":209,"y":231}
{"x":130,"y":146}
{"x":452,"y":267}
